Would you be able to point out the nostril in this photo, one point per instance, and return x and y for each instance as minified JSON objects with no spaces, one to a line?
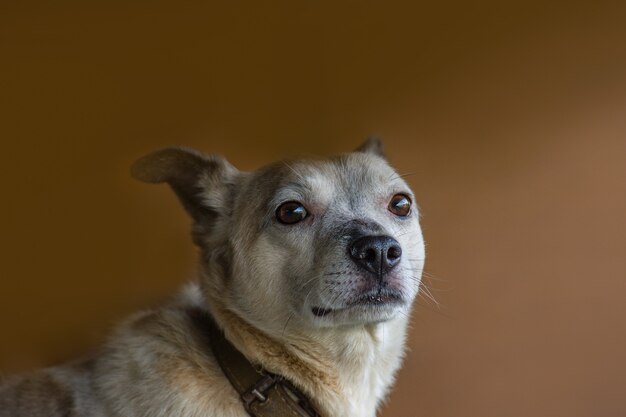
{"x":370,"y":254}
{"x":367,"y":253}
{"x":394,"y":253}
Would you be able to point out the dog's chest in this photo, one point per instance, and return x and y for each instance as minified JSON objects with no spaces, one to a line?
{"x":367,"y":369}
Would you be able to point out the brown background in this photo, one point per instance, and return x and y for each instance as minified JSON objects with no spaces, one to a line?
{"x":511,"y":117}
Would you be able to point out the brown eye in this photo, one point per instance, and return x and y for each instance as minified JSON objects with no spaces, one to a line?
{"x":291,"y":212}
{"x":400,"y":205}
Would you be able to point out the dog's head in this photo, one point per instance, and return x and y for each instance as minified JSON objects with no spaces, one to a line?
{"x":319,"y":243}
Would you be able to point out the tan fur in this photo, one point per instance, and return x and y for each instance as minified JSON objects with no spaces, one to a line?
{"x":258,"y":280}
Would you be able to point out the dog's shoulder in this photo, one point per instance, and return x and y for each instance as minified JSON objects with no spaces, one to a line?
{"x":168,"y":328}
{"x":160,"y":360}
{"x":155,"y":360}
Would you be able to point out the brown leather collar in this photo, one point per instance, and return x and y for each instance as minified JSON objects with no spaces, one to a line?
{"x":263,"y":394}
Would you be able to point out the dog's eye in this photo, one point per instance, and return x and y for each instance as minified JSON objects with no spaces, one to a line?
{"x":291,"y":212}
{"x":400,"y":205}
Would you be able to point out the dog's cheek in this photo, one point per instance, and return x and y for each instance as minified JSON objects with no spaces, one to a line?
{"x":258,"y":280}
{"x":414,"y":253}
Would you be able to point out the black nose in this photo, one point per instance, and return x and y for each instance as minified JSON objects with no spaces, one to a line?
{"x":377,"y":254}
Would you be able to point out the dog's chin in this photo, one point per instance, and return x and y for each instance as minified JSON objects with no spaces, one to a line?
{"x":373,"y":307}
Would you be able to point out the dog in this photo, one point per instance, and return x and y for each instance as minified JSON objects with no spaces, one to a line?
{"x":308,"y":268}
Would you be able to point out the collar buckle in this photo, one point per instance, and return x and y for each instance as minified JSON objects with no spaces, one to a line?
{"x":258,"y":392}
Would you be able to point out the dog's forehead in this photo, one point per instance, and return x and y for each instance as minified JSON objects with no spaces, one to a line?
{"x":348,"y":175}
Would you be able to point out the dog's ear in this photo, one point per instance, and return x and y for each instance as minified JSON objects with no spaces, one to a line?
{"x":199,"y":181}
{"x":372,"y":145}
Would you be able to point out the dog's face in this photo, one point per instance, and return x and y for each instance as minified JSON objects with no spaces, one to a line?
{"x":314,"y":243}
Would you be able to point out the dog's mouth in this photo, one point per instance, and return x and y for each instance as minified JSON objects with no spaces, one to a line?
{"x":321,"y":312}
{"x":369,"y":299}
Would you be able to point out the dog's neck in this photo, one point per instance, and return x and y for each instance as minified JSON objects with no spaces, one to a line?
{"x":345,"y":371}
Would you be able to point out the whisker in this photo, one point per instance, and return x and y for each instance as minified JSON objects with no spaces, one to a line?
{"x":300,"y":177}
{"x":306,"y":283}
{"x":426,"y":291}
{"x":397,"y":176}
{"x":431,"y":309}
{"x":286,"y":323}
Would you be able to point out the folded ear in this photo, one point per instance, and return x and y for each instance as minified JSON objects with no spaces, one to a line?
{"x":372,"y":145}
{"x":199,"y":181}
